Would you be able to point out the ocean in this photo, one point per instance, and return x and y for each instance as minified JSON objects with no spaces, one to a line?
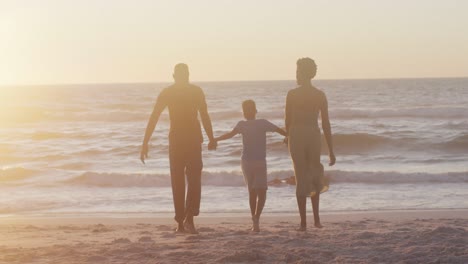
{"x":401,"y":144}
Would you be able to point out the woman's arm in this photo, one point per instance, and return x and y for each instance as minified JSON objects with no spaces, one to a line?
{"x":326,"y":127}
{"x":287,"y":113}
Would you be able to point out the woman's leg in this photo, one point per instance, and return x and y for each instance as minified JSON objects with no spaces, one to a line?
{"x":252,"y":201}
{"x":316,"y":173}
{"x":315,"y":208}
{"x":301,"y":204}
{"x":299,"y":158}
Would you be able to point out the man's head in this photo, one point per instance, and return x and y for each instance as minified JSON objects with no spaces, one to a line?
{"x":181,"y":73}
{"x":306,"y":70}
{"x":249,"y":109}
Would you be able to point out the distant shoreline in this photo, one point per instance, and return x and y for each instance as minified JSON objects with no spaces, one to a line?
{"x":226,"y":81}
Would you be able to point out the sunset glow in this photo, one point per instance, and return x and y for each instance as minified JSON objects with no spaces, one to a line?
{"x":43,"y":42}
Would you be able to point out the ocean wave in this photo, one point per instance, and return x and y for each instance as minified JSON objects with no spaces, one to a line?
{"x":417,"y":112}
{"x":78,"y":166}
{"x":18,"y":115}
{"x":47,"y":135}
{"x":100,"y":179}
{"x":235,"y":178}
{"x":458,"y":143}
{"x":349,"y":143}
{"x":13,"y":174}
{"x":381,"y":177}
{"x":127,"y":150}
{"x":223,"y":115}
{"x":357,"y":142}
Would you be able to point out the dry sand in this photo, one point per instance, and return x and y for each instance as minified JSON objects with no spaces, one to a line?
{"x":379,"y":237}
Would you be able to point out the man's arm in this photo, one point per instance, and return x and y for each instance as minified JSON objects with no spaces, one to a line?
{"x":326,"y":127}
{"x":158,"y":108}
{"x":206,"y":122}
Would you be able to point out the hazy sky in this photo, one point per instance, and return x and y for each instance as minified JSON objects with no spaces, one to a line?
{"x":89,"y":41}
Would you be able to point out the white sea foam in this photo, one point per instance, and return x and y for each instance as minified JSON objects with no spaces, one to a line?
{"x":235,"y":178}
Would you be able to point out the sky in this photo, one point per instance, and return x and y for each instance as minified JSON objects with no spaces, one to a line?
{"x":116,"y":41}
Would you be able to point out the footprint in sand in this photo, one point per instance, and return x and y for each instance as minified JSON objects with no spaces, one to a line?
{"x":145,"y":239}
{"x":168,"y":235}
{"x":134,"y":249}
{"x":96,"y":259}
{"x":206,"y":229}
{"x":241,"y":232}
{"x":366,"y":235}
{"x":100,"y":228}
{"x":121,"y":241}
{"x":31,"y":227}
{"x":164,"y":228}
{"x":193,"y":237}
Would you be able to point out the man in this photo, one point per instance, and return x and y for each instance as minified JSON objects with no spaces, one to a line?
{"x":184,"y":102}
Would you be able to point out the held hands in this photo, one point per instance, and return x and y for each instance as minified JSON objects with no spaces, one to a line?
{"x":213,"y":144}
{"x":144,"y":153}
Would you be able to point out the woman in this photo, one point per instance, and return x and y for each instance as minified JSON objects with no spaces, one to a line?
{"x":303,"y":105}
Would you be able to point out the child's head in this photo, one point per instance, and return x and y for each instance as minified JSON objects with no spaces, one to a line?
{"x":249,"y":108}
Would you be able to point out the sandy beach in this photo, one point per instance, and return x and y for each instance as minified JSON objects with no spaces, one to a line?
{"x":412,"y":236}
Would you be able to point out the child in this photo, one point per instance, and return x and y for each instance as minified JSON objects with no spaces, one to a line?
{"x":253,"y":156}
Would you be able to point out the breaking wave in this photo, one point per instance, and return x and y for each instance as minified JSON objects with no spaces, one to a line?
{"x":235,"y":178}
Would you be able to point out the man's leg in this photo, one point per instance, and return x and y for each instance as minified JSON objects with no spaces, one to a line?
{"x":177,"y":165}
{"x":193,"y":171}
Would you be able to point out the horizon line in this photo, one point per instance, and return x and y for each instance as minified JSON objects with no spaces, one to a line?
{"x":219,"y":81}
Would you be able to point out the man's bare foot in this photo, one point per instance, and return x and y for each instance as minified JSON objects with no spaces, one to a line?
{"x":318,"y":225}
{"x":301,"y":228}
{"x":180,"y":228}
{"x":190,"y":228}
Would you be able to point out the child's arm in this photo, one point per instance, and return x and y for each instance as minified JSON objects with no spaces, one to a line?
{"x":270,"y":127}
{"x":281,"y":131}
{"x":227,"y":135}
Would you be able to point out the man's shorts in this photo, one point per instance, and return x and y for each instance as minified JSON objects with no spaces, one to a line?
{"x":255,"y":174}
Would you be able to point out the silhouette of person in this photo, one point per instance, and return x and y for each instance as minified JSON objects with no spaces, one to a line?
{"x":184,"y":101}
{"x":253,"y":161}
{"x":303,"y":105}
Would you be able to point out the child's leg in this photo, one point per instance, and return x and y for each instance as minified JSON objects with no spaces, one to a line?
{"x":261,"y":194}
{"x":259,"y":204}
{"x":315,"y":208}
{"x":252,"y":201}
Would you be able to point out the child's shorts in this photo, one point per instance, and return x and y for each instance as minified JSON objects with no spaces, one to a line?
{"x":255,"y":174}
